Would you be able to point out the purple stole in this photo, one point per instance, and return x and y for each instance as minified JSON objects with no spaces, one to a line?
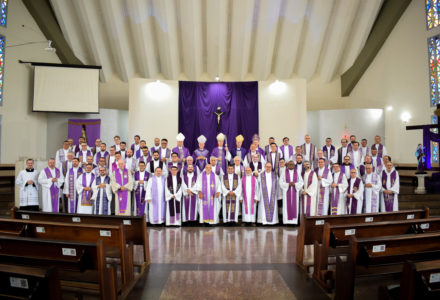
{"x":137,"y":153}
{"x":190,"y":201}
{"x":378,"y":162}
{"x":167,"y":153}
{"x":321,"y":191}
{"x":312,"y":152}
{"x":208,"y":204}
{"x":353,"y":209}
{"x":230,"y":200}
{"x":302,"y":170}
{"x":72,"y":190}
{"x":217,"y":170}
{"x":179,"y":166}
{"x":291,"y":196}
{"x":152,"y":166}
{"x":114,"y":166}
{"x":87,"y":195}
{"x":334,"y":195}
{"x":260,"y":166}
{"x":290,"y":150}
{"x":261,"y":151}
{"x":182,"y":152}
{"x":379,"y":150}
{"x":344,"y":166}
{"x":80,"y":156}
{"x":104,"y":196}
{"x":156,"y":199}
{"x":253,"y":182}
{"x":140,"y":193}
{"x":374,"y":179}
{"x":54,"y":190}
{"x":249,"y":157}
{"x":200,"y":163}
{"x":174,"y":204}
{"x":269,"y":200}
{"x":276,"y":163}
{"x":388,"y":198}
{"x":332,"y":151}
{"x":122,"y":195}
{"x":362,"y":151}
{"x":98,"y":156}
{"x":64,"y":167}
{"x":307,"y":200}
{"x":362,"y":170}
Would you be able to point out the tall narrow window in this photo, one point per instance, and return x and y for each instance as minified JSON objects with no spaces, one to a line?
{"x":2,"y":65}
{"x":434,"y":145}
{"x":432,"y":13}
{"x":4,"y":12}
{"x":434,"y":69}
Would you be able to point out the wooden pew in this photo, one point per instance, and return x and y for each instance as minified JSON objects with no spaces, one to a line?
{"x":311,"y":228}
{"x":82,"y":267}
{"x":113,"y":238}
{"x":135,"y":227}
{"x":382,"y":255}
{"x":334,"y":237}
{"x":419,"y":280}
{"x":21,"y":282}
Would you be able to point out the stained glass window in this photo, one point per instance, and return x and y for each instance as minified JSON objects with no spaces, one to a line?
{"x":434,"y":69}
{"x":4,"y":12}
{"x":432,"y":13}
{"x":2,"y":65}
{"x":434,"y":145}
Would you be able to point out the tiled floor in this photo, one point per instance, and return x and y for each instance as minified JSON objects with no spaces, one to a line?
{"x":224,"y":263}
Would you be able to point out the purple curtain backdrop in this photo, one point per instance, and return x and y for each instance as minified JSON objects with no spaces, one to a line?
{"x":429,"y":136}
{"x":199,"y":100}
{"x":92,"y":126}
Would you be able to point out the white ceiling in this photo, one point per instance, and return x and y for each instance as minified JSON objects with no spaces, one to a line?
{"x":240,"y":39}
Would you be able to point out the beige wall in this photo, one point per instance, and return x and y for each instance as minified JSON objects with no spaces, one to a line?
{"x":397,"y":77}
{"x":153,"y":110}
{"x":23,"y":132}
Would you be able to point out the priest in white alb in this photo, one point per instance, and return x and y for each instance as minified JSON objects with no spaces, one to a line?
{"x":173,"y":197}
{"x":372,"y":187}
{"x":390,"y":188}
{"x":190,"y":199}
{"x":231,"y":190}
{"x":325,"y":179}
{"x":310,"y":188}
{"x":250,"y":196}
{"x":122,"y":185}
{"x":291,"y":184}
{"x":355,"y":193}
{"x":155,"y":196}
{"x":84,"y":191}
{"x":69,"y":188}
{"x":338,"y":190}
{"x":51,"y":180}
{"x":27,"y":181}
{"x":102,"y":193}
{"x":140,"y":179}
{"x":209,"y":188}
{"x":268,"y":206}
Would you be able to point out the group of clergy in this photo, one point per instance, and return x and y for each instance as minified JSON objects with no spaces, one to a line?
{"x":172,"y":186}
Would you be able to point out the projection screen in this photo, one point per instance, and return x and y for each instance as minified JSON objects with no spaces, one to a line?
{"x":66,"y":89}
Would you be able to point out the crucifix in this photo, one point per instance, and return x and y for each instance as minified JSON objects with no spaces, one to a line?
{"x":218,"y":113}
{"x":428,"y":136}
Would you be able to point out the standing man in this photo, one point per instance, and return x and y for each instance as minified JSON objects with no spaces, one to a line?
{"x":238,"y":167}
{"x":347,"y":166}
{"x":308,"y":150}
{"x":181,"y":150}
{"x":355,"y":154}
{"x":239,"y":150}
{"x":173,"y":195}
{"x":231,"y":194}
{"x":84,"y":191}
{"x":164,"y":151}
{"x":390,"y":189}
{"x":155,"y":196}
{"x":201,"y":155}
{"x":189,"y":189}
{"x":274,"y":158}
{"x":222,"y":153}
{"x":365,"y":150}
{"x":51,"y":180}
{"x":309,"y":191}
{"x":376,"y":161}
{"x":97,"y":146}
{"x":136,"y":146}
{"x":342,"y":151}
{"x":325,"y":179}
{"x":372,"y":187}
{"x":140,"y":183}
{"x":268,"y":208}
{"x":130,"y":161}
{"x":117,"y":145}
{"x":156,"y":146}
{"x":337,"y":195}
{"x":250,"y":197}
{"x":291,"y":184}
{"x":102,"y":152}
{"x":67,"y":164}
{"x":209,"y":188}
{"x":330,"y":151}
{"x":70,"y":183}
{"x":27,"y":181}
{"x":102,"y":193}
{"x":122,"y":185}
{"x":381,"y":150}
{"x":61,"y":155}
{"x":355,"y":193}
{"x":83,"y":153}
{"x":286,"y":150}
{"x":156,"y":162}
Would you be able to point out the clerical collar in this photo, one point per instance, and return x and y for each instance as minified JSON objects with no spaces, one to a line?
{"x":30,"y":170}
{"x":299,"y":163}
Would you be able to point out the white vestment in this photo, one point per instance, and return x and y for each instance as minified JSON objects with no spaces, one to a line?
{"x":342,"y":188}
{"x":28,"y":192}
{"x":59,"y":158}
{"x":285,"y":189}
{"x":84,"y":208}
{"x":116,"y":187}
{"x":372,"y":192}
{"x":311,"y":190}
{"x":262,"y":213}
{"x":160,"y":205}
{"x":357,"y":194}
{"x":324,"y":183}
{"x":67,"y":188}
{"x":217,"y":201}
{"x":143,"y":187}
{"x":193,"y":189}
{"x":46,"y":184}
{"x":177,"y":197}
{"x":107,"y":190}
{"x":249,"y":217}
{"x":393,"y":187}
{"x":237,"y":192}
